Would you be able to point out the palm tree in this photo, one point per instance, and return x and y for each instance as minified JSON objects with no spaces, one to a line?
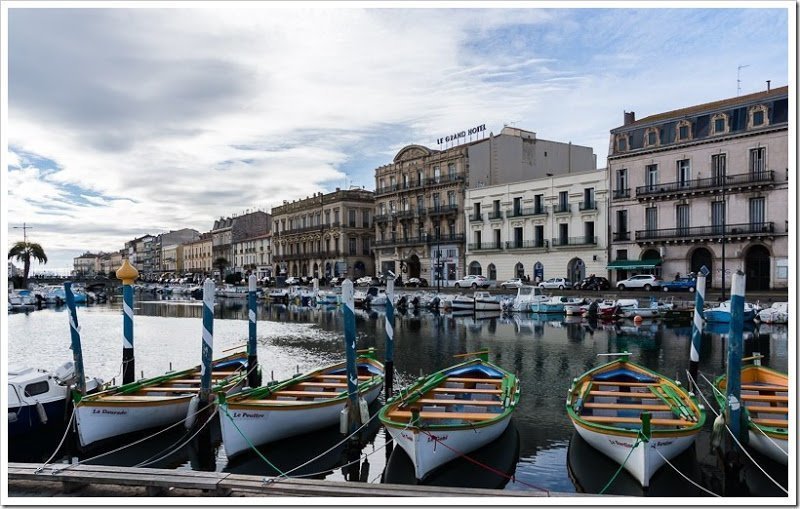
{"x":24,"y":252}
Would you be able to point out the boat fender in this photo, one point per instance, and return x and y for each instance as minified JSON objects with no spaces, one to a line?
{"x":343,"y":421}
{"x":717,"y":432}
{"x":363,"y":408}
{"x":191,"y":414}
{"x":42,"y":412}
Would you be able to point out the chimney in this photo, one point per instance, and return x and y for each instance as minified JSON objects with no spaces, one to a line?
{"x":630,"y":117}
{"x":768,"y":85}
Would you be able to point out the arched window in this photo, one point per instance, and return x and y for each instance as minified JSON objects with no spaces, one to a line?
{"x":474,"y":269}
{"x":492,"y":272}
{"x":519,"y":270}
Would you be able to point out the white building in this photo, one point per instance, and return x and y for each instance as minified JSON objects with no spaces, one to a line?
{"x":254,"y":255}
{"x":541,"y":228}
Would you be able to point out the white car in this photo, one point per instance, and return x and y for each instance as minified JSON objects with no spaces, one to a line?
{"x":556,"y":282}
{"x":472,"y":282}
{"x":512,"y":283}
{"x":644,"y":281}
{"x":291,"y":280}
{"x":365,"y":281}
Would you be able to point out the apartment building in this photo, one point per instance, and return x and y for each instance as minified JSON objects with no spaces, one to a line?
{"x":86,"y":265}
{"x":706,"y":185}
{"x":540,"y":228}
{"x":166,"y":247}
{"x":420,"y":196}
{"x":110,"y":262}
{"x":325,"y":235}
{"x":142,"y":255}
{"x":197,"y":255}
{"x":229,"y":230}
{"x":254,"y":255}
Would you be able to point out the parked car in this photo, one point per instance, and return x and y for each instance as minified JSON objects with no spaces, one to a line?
{"x":291,"y":280}
{"x":593,"y":283}
{"x":512,"y":283}
{"x":366,"y":281}
{"x":417,"y":282}
{"x":337,"y":280}
{"x":472,"y":281}
{"x":556,"y":282}
{"x":684,"y":283}
{"x":644,"y":281}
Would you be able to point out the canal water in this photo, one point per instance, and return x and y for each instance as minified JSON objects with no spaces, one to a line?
{"x":540,"y":451}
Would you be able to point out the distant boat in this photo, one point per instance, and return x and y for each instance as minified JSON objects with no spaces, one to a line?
{"x":526,"y":295}
{"x":777,"y":313}
{"x":484,"y":301}
{"x":765,"y":394}
{"x":554,"y":305}
{"x":462,"y":303}
{"x":451,"y":412}
{"x":606,"y":403}
{"x":722,"y":313}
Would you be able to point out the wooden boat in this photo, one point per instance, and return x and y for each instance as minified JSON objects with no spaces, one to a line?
{"x":152,"y":402}
{"x":299,"y":405}
{"x":451,"y":412}
{"x":765,"y":394}
{"x":606,"y":403}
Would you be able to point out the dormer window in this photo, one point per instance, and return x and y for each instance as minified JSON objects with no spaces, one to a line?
{"x":622,"y":143}
{"x":757,"y":117}
{"x":651,"y":137}
{"x":684,"y":131}
{"x":719,"y":124}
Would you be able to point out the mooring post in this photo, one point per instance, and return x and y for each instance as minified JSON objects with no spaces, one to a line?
{"x":77,"y":354}
{"x":389,"y":364}
{"x":253,"y":373}
{"x":128,"y":274}
{"x":732,"y":461}
{"x":353,"y":413}
{"x":208,"y":341}
{"x":697,"y":326}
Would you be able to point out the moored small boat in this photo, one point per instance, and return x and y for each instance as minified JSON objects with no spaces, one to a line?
{"x":152,"y":402}
{"x":462,"y":303}
{"x":526,"y":295}
{"x":722,"y":313}
{"x":451,"y":412}
{"x":484,"y":301}
{"x":765,"y":394}
{"x":299,"y":405}
{"x":634,"y":415}
{"x":553,"y":305}
{"x":777,"y":313}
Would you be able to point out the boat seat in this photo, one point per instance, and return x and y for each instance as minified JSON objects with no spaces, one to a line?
{"x":476,"y":380}
{"x":656,"y":422}
{"x":405,"y":414}
{"x":770,"y":388}
{"x":768,"y":409}
{"x":466,"y":391}
{"x":344,"y":377}
{"x":169,"y":389}
{"x":759,"y":397}
{"x":624,"y":384}
{"x":321,"y":384}
{"x":308,"y":394}
{"x":618,"y":394}
{"x":626,"y":406}
{"x":775,"y":423}
{"x":477,"y":402}
{"x":123,"y":398}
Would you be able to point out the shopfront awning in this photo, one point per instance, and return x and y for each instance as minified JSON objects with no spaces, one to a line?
{"x":634,"y":264}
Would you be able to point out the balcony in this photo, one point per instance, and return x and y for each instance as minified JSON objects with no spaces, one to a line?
{"x":444,"y":179}
{"x":562,"y":208}
{"x":733,"y":232}
{"x":495,"y":214}
{"x":527,"y":244}
{"x":621,"y":194}
{"x":621,"y":236}
{"x":533,"y":211}
{"x":713,"y":185}
{"x":476,"y":218}
{"x":587,"y":205}
{"x":445,"y":239}
{"x":574,"y":241}
{"x":486,"y":246}
{"x":443,"y":209}
{"x":399,"y":241}
{"x":386,"y":189}
{"x":404,"y":214}
{"x":310,"y":255}
{"x":418,"y":184}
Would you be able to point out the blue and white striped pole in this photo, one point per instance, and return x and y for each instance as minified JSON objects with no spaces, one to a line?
{"x":733,"y":408}
{"x":389,"y":365}
{"x":253,"y":373}
{"x":350,"y":350}
{"x":697,"y":325}
{"x":208,"y":341}
{"x":75,"y":332}
{"x":128,"y":274}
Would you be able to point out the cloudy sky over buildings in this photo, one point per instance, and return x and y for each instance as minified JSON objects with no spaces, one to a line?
{"x":127,"y":121}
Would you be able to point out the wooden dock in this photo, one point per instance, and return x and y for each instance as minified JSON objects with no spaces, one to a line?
{"x":85,"y":480}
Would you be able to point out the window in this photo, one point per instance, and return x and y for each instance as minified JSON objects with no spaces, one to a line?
{"x":622,"y":180}
{"x":563,"y":199}
{"x":719,"y":125}
{"x":682,"y":219}
{"x":478,"y":239}
{"x":563,"y":234}
{"x":589,"y":232}
{"x":538,"y":235}
{"x":756,"y":213}
{"x":683,"y":132}
{"x":451,"y":198}
{"x":758,"y":118}
{"x":420,"y":202}
{"x":392,"y":182}
{"x":651,"y":176}
{"x":451,"y":228}
{"x":718,"y":163}
{"x":622,"y":254}
{"x":365,"y":219}
{"x":684,"y":173}
{"x":651,"y":137}
{"x":492,"y":272}
{"x":37,"y":388}
{"x":758,"y":161}
{"x":436,"y":200}
{"x":351,"y":214}
{"x":497,"y":238}
{"x":518,"y":236}
{"x":474,"y":269}
{"x":538,"y":206}
{"x":477,"y":208}
{"x":451,"y":169}
{"x":496,"y":207}
{"x":404,"y":204}
{"x":437,"y":174}
{"x":517,"y":206}
{"x":420,"y":177}
{"x":352,"y":242}
{"x":651,"y":218}
{"x":717,"y":216}
{"x":622,"y":144}
{"x":405,"y":181}
{"x":588,"y":198}
{"x":365,"y":246}
{"x":336,"y":216}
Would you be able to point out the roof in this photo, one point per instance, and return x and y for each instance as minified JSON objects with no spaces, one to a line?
{"x":715,"y":105}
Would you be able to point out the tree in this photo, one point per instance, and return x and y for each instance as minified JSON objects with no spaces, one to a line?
{"x":221,"y":264}
{"x":25,"y":252}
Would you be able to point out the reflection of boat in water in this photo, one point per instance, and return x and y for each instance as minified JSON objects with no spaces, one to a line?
{"x":501,"y":456}
{"x":725,"y":328}
{"x":485,"y":315}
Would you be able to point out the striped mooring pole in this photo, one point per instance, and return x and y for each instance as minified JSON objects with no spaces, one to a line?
{"x":389,"y":364}
{"x":75,"y":332}
{"x":733,"y":393}
{"x":353,"y":413}
{"x":253,"y":373}
{"x":697,"y":325}
{"x":128,"y":274}
{"x":208,"y":341}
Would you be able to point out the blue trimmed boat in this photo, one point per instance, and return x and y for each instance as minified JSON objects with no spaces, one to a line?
{"x":722,"y":313}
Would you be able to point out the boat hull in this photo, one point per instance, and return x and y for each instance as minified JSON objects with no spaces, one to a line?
{"x":770,"y":448}
{"x":487,"y":305}
{"x":714,"y":315}
{"x":539,"y":307}
{"x":26,"y":418}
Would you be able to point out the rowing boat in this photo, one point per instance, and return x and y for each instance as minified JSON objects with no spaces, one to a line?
{"x":451,"y":412}
{"x":152,"y":402}
{"x":633,"y":415}
{"x":299,"y":405}
{"x":765,"y":395}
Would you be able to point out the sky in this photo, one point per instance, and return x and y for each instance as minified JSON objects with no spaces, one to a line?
{"x":128,"y":121}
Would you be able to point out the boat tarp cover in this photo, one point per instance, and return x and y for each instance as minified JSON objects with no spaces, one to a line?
{"x":621,"y":373}
{"x":477,"y":370}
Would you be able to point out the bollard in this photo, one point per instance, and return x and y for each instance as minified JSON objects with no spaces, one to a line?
{"x":74,"y":328}
{"x":697,"y":325}
{"x":208,"y":341}
{"x":389,"y":364}
{"x":128,"y":274}
{"x":733,"y":408}
{"x":350,"y":350}
{"x":253,"y":373}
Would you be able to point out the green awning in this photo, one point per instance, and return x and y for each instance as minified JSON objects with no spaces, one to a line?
{"x":634,"y":264}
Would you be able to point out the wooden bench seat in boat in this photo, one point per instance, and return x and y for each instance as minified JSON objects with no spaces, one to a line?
{"x":169,"y":389}
{"x":127,"y":398}
{"x":617,"y":394}
{"x":633,"y":420}
{"x":768,"y":388}
{"x":321,"y":384}
{"x":624,"y":384}
{"x":344,"y":377}
{"x":768,"y":409}
{"x":627,"y":406}
{"x":476,"y":402}
{"x":467,"y":416}
{"x":468,"y":391}
{"x":308,"y":394}
{"x":476,"y":380}
{"x":759,"y":397}
{"x":775,"y":423}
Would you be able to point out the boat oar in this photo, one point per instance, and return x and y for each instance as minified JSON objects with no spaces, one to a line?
{"x":482,"y":354}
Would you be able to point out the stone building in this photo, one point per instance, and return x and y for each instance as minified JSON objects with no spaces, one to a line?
{"x":325,"y":235}
{"x":166,"y":248}
{"x":230,"y":230}
{"x":705,"y":185}
{"x":197,"y":255}
{"x":86,"y":265}
{"x":110,"y":262}
{"x":254,"y":255}
{"x":141,"y":254}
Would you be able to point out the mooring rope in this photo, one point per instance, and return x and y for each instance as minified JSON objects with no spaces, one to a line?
{"x":684,"y":476}
{"x":61,"y":443}
{"x":225,"y":410}
{"x":610,"y":481}
{"x":179,"y":445}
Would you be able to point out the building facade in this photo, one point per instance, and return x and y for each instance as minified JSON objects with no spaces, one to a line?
{"x":166,"y":248}
{"x":325,"y":235}
{"x":420,"y":197}
{"x":86,"y":265}
{"x":230,"y":230}
{"x":141,"y":254}
{"x":110,"y":262}
{"x":254,"y":255}
{"x":197,"y":255}
{"x":538,"y":229}
{"x":701,"y":186}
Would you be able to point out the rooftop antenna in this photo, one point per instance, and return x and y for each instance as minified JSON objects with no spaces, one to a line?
{"x":24,"y":229}
{"x":738,"y":80}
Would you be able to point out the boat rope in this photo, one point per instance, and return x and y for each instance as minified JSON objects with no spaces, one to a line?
{"x":123,"y":447}
{"x":684,"y":476}
{"x":744,"y":450}
{"x":179,"y":445}
{"x":252,"y":446}
{"x":61,"y":443}
{"x":485,"y":466}
{"x":610,"y":481}
{"x":756,"y":427}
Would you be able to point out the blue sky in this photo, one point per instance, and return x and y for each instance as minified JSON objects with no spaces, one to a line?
{"x":125,"y":121}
